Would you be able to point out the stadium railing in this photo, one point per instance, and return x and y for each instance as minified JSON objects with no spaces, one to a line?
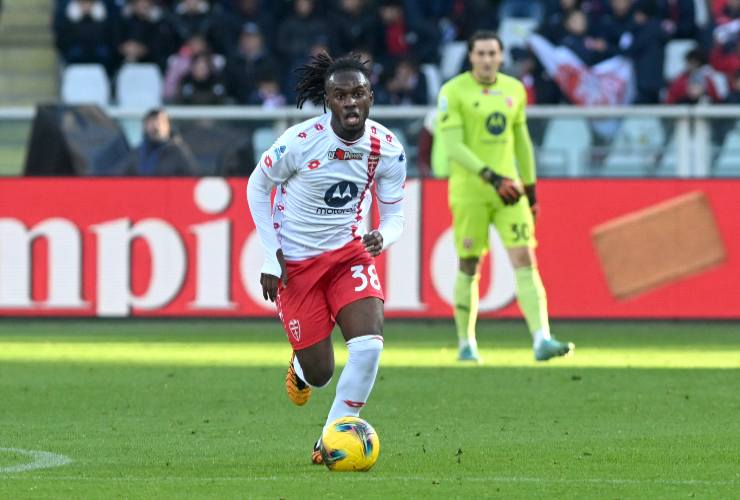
{"x":636,"y":141}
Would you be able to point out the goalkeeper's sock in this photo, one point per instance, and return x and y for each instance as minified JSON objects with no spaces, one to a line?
{"x":533,"y":302}
{"x":466,"y":307}
{"x":358,"y":377}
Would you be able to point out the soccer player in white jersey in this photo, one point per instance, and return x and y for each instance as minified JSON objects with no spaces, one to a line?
{"x":319,"y":266}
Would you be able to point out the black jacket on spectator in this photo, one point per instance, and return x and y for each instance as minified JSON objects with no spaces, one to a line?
{"x":352,"y":32}
{"x":170,"y":158}
{"x":208,"y":92}
{"x":88,"y":38}
{"x":224,"y":31}
{"x":297,"y":34}
{"x":188,"y":23}
{"x":155,"y":32}
{"x":241,"y":74}
{"x":645,"y":44}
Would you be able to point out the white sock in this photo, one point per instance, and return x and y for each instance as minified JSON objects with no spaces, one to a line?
{"x":539,"y":336}
{"x":299,"y":372}
{"x":462,"y":343}
{"x":357,"y":378}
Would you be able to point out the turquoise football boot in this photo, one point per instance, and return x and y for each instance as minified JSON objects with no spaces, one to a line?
{"x":550,"y":348}
{"x":468,"y":353}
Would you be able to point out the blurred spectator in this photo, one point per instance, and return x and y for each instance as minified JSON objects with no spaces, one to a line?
{"x":202,"y":85}
{"x":377,"y":75}
{"x":733,"y":97}
{"x":695,"y":84}
{"x":725,"y":55}
{"x":539,"y":86}
{"x":397,"y":38}
{"x":407,"y":86}
{"x":161,"y":153}
{"x":353,"y":25}
{"x":192,"y":17}
{"x":228,"y":24}
{"x":300,"y":31}
{"x":645,"y":44}
{"x":680,"y":19}
{"x":616,"y":21}
{"x":553,"y":25}
{"x":146,"y":35}
{"x":85,"y":33}
{"x":250,"y":60}
{"x":178,"y":65}
{"x":589,"y":49}
{"x":267,"y":94}
{"x":725,"y":11}
{"x":469,"y":16}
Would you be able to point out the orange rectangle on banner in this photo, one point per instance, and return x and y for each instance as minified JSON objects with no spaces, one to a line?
{"x":658,"y":245}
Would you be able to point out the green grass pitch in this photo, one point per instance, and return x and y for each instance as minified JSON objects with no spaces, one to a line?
{"x":197,"y":409}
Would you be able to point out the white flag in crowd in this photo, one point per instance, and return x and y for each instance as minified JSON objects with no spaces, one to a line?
{"x":609,"y":83}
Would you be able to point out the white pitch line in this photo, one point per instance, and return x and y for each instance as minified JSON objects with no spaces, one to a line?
{"x":370,"y":477}
{"x":40,"y":460}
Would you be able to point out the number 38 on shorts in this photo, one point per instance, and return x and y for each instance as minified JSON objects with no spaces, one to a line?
{"x":371,"y":277}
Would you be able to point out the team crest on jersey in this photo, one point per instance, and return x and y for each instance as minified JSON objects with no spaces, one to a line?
{"x":295,"y":329}
{"x":341,"y":154}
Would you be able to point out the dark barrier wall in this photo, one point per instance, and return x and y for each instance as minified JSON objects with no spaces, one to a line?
{"x":187,"y":247}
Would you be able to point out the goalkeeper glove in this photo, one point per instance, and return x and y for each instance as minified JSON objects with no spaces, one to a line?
{"x":507,"y":188}
{"x":532,"y":197}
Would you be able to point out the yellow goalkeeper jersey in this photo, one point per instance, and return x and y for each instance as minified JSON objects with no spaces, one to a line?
{"x":487,"y":115}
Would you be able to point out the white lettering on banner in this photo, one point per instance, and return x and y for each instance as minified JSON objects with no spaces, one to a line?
{"x":502,"y":289}
{"x":213,"y":247}
{"x":168,"y":256}
{"x":65,"y":264}
{"x":403,"y":267}
{"x":250,"y":265}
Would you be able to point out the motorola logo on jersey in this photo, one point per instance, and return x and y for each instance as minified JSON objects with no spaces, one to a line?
{"x":496,"y":123}
{"x":341,"y":154}
{"x":340,"y":194}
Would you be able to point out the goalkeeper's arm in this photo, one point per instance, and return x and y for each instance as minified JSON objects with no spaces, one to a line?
{"x":457,"y":150}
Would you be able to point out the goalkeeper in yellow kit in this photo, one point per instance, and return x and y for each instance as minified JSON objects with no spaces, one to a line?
{"x":481,"y":123}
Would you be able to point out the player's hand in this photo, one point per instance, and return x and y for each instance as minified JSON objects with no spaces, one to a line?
{"x":271,"y":283}
{"x":532,"y":198}
{"x":508,"y":189}
{"x":373,"y":242}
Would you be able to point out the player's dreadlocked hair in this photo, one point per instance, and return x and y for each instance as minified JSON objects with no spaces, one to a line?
{"x":313,"y":75}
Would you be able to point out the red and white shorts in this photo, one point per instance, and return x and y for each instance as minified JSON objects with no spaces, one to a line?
{"x":318,"y":288}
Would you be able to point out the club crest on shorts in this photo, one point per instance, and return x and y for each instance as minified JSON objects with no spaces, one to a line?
{"x":295,"y":329}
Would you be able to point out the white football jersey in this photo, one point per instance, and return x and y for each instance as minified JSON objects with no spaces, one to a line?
{"x":324,"y":184}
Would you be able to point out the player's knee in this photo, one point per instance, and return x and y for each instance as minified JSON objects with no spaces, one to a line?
{"x":371,"y":344}
{"x":469,"y":265}
{"x":319,"y":376}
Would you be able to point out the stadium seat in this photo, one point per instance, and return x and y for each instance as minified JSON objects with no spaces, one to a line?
{"x":452,"y":59}
{"x":262,"y":139}
{"x":514,"y":32}
{"x":565,"y":143}
{"x":434,"y":81}
{"x":139,"y":86}
{"x":674,"y":63}
{"x":728,"y":161}
{"x":85,"y":84}
{"x":636,"y":149}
